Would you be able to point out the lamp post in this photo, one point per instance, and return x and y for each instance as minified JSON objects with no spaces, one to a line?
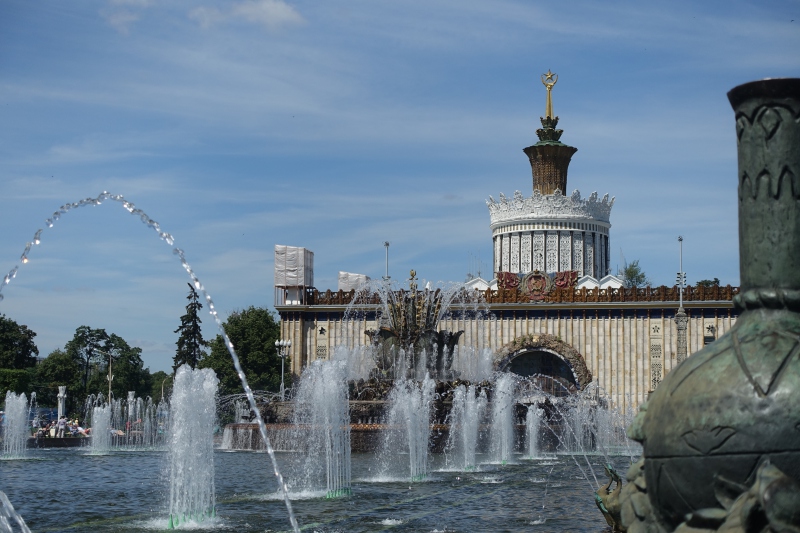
{"x":283,"y":346}
{"x":110,"y":376}
{"x":681,"y":320}
{"x":162,"y":385}
{"x":386,"y":245}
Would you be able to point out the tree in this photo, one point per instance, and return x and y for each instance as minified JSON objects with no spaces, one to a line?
{"x":58,"y":368}
{"x":93,"y":349}
{"x":708,"y":283}
{"x":85,"y":348}
{"x":190,"y":343}
{"x":162,"y":386}
{"x":17,"y":349}
{"x":253,"y":333}
{"x":633,"y":276}
{"x":126,"y":367}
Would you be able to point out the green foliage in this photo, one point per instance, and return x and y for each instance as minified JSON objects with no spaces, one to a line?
{"x":190,"y":343}
{"x":85,"y":349}
{"x":708,"y":283}
{"x":58,"y":368}
{"x":162,"y":386}
{"x":15,"y":380}
{"x":93,"y":349}
{"x":633,"y":276}
{"x":253,"y":333}
{"x":17,"y":349}
{"x":126,"y":367}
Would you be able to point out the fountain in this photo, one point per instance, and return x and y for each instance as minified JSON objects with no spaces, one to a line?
{"x":407,"y":428}
{"x":197,"y":285}
{"x":533,"y":421}
{"x":413,"y":375}
{"x":464,"y":422}
{"x":133,"y":424}
{"x":322,"y":422}
{"x":101,"y":429}
{"x":15,"y":426}
{"x":407,"y":343}
{"x":191,"y":450}
{"x":502,"y":425}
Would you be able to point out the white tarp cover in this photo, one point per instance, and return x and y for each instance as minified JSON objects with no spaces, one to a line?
{"x":349,"y":281}
{"x":294,"y":266}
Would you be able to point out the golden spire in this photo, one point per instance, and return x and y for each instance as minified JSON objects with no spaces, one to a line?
{"x":549,"y":80}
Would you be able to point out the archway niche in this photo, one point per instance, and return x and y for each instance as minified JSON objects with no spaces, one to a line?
{"x":544,"y":355}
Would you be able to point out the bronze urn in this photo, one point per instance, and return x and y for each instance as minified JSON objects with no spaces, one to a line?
{"x":718,"y":417}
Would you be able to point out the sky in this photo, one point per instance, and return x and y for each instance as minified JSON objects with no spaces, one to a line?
{"x":338,"y":125}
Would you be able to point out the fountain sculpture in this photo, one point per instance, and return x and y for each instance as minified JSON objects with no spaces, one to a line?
{"x":720,"y":433}
{"x":412,"y":345}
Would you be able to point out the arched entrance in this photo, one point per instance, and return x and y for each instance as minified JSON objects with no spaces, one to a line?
{"x":543,"y":355}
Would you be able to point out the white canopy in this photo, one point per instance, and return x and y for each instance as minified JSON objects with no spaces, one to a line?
{"x":349,"y":281}
{"x":294,"y":266}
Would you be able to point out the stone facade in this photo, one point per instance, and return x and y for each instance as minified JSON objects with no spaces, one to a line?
{"x":628,"y":339}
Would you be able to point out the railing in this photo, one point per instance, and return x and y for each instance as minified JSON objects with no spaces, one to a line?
{"x":557,"y":295}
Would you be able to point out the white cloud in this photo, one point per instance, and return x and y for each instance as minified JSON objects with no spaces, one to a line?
{"x":121,"y":20}
{"x":136,"y":3}
{"x":206,"y":16}
{"x":272,"y":14}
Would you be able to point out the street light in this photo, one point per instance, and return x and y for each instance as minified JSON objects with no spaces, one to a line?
{"x":681,"y":318}
{"x":110,"y":377}
{"x":681,"y":278}
{"x":386,"y":277}
{"x":283,"y":346}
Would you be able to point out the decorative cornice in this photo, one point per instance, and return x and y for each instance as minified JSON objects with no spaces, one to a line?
{"x":549,"y":206}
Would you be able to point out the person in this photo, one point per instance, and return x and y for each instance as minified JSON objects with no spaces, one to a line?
{"x":62,"y":425}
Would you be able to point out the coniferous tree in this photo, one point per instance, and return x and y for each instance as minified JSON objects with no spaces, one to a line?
{"x":190,"y":343}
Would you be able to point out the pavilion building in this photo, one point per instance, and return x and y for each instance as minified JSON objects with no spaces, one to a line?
{"x":556,"y":309}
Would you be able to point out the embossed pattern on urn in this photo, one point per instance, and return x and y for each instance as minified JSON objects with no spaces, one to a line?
{"x":731,"y":407}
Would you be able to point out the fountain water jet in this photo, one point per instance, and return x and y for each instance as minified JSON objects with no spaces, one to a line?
{"x":533,"y":421}
{"x":15,"y":425}
{"x":502,"y":425}
{"x":408,"y":426}
{"x":169,"y":239}
{"x":464,"y":421}
{"x":191,"y":446}
{"x":322,"y":423}
{"x":101,"y":429}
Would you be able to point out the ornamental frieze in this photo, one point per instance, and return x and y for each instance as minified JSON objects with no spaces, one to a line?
{"x":547,"y":206}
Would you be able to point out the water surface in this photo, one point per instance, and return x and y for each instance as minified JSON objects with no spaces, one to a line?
{"x":72,"y":490}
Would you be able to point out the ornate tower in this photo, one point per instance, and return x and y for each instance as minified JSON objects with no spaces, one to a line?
{"x":550,"y":232}
{"x":549,"y":157}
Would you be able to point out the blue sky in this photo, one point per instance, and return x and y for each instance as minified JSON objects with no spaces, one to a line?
{"x":242,"y":124}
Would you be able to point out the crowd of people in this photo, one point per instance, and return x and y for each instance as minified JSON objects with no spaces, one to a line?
{"x":59,"y":428}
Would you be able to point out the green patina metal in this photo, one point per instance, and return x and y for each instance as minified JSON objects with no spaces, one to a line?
{"x":725,"y":421}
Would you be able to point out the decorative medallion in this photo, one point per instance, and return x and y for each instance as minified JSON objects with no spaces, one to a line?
{"x":536,"y":285}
